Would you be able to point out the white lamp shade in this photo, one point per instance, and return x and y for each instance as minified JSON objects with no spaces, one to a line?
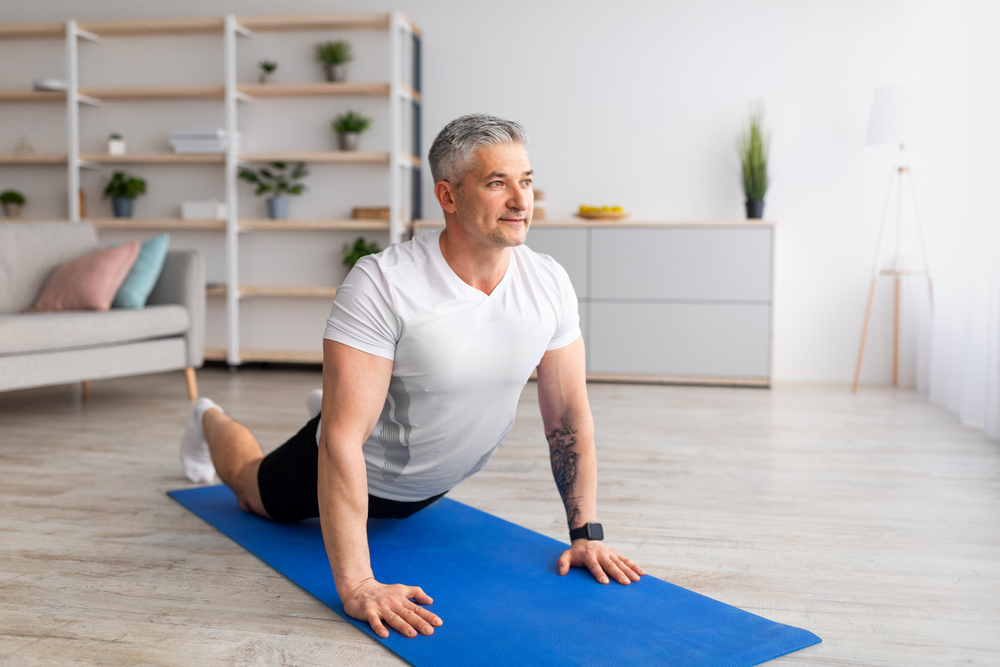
{"x":895,"y":116}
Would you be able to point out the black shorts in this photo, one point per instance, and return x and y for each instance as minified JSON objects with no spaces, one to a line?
{"x":288,"y":478}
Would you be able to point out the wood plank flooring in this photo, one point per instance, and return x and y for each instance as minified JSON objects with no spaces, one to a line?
{"x":872,"y":520}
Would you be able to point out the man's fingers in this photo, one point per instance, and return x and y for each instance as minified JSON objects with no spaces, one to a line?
{"x":399,"y":624}
{"x":628,"y":568}
{"x":416,"y":621}
{"x":417,"y":593}
{"x":563,"y":563}
{"x":595,"y":569}
{"x":377,"y":627}
{"x":428,"y":616}
{"x":635,"y":568}
{"x":613,"y":571}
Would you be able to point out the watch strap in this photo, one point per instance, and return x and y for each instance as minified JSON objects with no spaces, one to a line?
{"x":590,"y":531}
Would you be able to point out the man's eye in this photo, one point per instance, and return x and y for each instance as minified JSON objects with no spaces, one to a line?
{"x":526,"y":183}
{"x":497,"y":183}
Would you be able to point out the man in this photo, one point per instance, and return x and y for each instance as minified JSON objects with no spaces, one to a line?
{"x":426,"y":351}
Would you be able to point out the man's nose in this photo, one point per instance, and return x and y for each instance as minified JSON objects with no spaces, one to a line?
{"x":519,"y":199}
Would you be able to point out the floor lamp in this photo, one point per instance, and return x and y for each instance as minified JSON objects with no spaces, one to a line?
{"x":893,"y":121}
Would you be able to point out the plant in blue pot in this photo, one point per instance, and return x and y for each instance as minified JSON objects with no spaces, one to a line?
{"x":277,"y":181}
{"x":122,"y":190}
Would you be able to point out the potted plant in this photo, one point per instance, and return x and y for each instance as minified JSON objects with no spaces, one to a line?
{"x":267,"y":68}
{"x":334,"y":57}
{"x":12,"y":201}
{"x":352,"y":253}
{"x":116,"y":144}
{"x":348,"y":127}
{"x":753,"y":148}
{"x":122,"y":189}
{"x":275,"y":180}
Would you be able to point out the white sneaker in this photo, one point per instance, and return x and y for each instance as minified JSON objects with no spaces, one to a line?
{"x":195,"y":457}
{"x":315,"y":402}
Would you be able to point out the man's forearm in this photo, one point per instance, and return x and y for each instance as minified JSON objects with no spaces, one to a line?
{"x":343,"y":508}
{"x":574,"y":467}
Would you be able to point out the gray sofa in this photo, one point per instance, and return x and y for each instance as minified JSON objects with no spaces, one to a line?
{"x":55,"y":348}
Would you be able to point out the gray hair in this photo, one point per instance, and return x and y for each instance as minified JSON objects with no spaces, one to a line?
{"x":451,"y":153}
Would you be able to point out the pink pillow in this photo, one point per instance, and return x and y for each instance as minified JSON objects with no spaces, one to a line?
{"x":89,"y":282}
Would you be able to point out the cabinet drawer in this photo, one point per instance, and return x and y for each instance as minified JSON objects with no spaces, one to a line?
{"x":714,"y":340}
{"x":681,"y":263}
{"x":566,"y":246}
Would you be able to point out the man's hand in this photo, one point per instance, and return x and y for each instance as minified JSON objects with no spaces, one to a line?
{"x":374,"y":602}
{"x":601,"y":560}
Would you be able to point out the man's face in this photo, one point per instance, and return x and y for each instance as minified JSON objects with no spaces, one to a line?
{"x":495,"y":200}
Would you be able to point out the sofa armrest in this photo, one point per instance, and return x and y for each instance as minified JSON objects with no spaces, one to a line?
{"x":182,"y":282}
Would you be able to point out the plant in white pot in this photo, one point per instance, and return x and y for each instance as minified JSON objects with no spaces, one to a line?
{"x":753,"y":146}
{"x":122,"y":190}
{"x":116,"y":144}
{"x":267,"y":68}
{"x":334,"y":57}
{"x":12,"y":201}
{"x":277,"y":182}
{"x":349,"y":127}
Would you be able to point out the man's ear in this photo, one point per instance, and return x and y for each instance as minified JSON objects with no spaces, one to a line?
{"x":445,"y":193}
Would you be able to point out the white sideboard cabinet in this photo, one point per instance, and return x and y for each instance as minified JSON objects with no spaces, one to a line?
{"x":669,"y":302}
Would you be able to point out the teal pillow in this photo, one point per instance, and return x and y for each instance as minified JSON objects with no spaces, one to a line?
{"x":144,"y":274}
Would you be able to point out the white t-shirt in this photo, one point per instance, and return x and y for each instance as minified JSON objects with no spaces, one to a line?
{"x":460,"y":357}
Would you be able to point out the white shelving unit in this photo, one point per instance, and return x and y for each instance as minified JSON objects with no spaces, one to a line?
{"x":402,"y":163}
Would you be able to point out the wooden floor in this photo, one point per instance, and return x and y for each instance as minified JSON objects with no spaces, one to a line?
{"x":872,"y":520}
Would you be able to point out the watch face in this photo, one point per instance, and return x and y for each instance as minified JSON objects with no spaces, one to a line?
{"x":595,"y":531}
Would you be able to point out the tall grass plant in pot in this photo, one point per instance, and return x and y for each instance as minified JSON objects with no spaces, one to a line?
{"x":753,"y":146}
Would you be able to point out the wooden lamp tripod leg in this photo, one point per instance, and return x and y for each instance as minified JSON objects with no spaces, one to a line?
{"x":864,"y":335}
{"x":875,"y":273}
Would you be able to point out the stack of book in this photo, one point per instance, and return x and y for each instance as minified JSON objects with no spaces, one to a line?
{"x":209,"y":141}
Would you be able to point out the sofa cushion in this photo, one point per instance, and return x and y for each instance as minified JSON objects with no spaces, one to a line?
{"x":140,"y":280}
{"x":31,"y":251}
{"x":79,"y":329}
{"x":89,"y":282}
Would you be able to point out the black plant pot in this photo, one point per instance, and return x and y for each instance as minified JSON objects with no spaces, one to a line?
{"x":755,"y":209}
{"x":123,"y":207}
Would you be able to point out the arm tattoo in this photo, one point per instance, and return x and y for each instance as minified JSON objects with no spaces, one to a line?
{"x":562,"y":443}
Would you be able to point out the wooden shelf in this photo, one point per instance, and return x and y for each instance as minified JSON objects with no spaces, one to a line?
{"x":33,"y":31}
{"x":319,"y":157}
{"x":155,"y":223}
{"x":360,"y":21}
{"x":202,"y":26}
{"x":300,"y":225}
{"x":32,"y":95}
{"x":197,"y":26}
{"x":156,"y":93}
{"x":318,"y":89}
{"x":33,"y":158}
{"x":155,"y":158}
{"x":280,"y":291}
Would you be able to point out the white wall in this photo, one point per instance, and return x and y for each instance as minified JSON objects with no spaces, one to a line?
{"x":639,"y":103}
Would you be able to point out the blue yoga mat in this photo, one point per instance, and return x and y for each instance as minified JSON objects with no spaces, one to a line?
{"x":496,"y":588}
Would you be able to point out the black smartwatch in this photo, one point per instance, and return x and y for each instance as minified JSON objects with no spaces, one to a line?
{"x":591,"y":531}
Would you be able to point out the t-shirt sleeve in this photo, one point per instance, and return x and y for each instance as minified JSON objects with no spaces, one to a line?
{"x":362,"y":315}
{"x":568,"y":324}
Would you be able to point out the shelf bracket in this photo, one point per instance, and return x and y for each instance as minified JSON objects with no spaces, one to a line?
{"x":88,"y":100}
{"x":88,"y":36}
{"x":243,"y":31}
{"x":243,"y":97}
